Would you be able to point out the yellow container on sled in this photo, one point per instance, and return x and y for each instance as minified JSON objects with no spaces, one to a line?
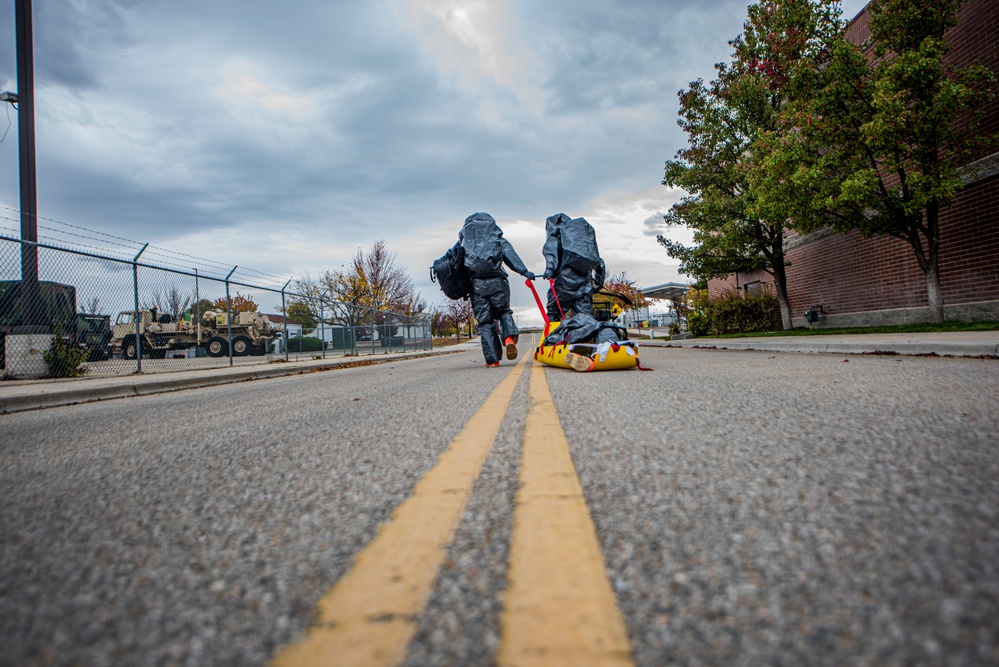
{"x":554,"y":355}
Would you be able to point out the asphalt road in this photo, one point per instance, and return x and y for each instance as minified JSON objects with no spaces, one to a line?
{"x":751,"y":508}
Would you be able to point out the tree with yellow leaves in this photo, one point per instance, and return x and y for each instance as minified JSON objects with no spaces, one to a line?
{"x":622,"y":293}
{"x":372,"y":283}
{"x":240,"y":304}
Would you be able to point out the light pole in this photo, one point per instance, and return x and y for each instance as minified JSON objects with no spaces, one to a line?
{"x":31,"y":312}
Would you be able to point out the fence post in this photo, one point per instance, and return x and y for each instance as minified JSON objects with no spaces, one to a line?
{"x":284,"y":314}
{"x":322,"y":327}
{"x":228,"y":308}
{"x":197,"y":311}
{"x":135,"y":294}
{"x":353,"y":330}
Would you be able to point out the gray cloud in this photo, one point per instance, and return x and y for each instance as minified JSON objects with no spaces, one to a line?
{"x":653,"y":225}
{"x":343,"y":123}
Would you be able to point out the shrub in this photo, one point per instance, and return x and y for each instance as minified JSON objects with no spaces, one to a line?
{"x":738,"y":313}
{"x":698,"y":324}
{"x":64,"y":360}
{"x":305,"y":344}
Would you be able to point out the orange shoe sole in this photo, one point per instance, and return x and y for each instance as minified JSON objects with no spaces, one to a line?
{"x":511,"y":349}
{"x":579,"y":362}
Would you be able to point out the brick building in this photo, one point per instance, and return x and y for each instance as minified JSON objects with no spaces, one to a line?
{"x":858,"y":281}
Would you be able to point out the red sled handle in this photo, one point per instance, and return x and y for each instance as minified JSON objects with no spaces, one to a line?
{"x":551,"y":283}
{"x":544,"y":313}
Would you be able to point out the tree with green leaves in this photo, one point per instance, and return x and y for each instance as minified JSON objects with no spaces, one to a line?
{"x":871,"y":144}
{"x":724,"y":122}
{"x":300,"y":312}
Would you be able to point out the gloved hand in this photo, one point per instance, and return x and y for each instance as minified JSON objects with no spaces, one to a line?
{"x":530,"y":275}
{"x":547,"y":274}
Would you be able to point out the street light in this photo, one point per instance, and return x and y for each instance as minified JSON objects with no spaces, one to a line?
{"x":30,"y":297}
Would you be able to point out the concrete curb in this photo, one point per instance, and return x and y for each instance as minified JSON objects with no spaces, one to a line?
{"x":40,"y":396}
{"x":938,"y":348}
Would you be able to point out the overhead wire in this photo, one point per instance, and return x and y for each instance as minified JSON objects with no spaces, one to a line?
{"x":89,"y":238}
{"x":168,"y":259}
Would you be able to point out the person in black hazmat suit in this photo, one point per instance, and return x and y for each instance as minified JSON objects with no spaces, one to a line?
{"x":485,"y":253}
{"x":572,"y":259}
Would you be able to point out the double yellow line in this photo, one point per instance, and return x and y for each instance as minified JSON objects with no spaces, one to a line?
{"x":559,"y":608}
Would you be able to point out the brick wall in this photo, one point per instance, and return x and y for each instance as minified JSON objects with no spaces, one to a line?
{"x":846,"y":273}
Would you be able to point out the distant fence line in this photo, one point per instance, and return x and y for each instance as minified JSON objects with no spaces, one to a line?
{"x":72,"y":282}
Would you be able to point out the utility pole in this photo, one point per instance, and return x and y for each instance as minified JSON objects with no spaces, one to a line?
{"x":32,"y":310}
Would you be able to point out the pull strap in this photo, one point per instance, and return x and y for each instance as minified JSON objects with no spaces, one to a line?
{"x":551,"y":281}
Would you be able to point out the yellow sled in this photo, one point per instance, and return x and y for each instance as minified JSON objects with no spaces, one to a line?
{"x":607,"y":357}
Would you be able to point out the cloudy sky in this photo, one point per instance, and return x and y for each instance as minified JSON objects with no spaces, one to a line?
{"x":285,"y":136}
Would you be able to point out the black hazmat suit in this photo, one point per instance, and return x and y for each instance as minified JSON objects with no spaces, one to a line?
{"x":572,"y":259}
{"x":485,"y":253}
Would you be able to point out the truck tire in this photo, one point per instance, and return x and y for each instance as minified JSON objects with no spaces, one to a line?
{"x":217,"y":347}
{"x":129,"y":350}
{"x":241,"y":346}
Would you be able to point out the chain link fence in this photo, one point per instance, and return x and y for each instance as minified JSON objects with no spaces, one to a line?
{"x":66,"y":312}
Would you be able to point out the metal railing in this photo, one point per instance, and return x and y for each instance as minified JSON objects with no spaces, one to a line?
{"x":98,"y":314}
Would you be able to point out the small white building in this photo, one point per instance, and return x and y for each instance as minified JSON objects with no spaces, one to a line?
{"x":293,"y":329}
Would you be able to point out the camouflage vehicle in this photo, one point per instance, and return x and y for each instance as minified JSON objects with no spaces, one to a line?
{"x":160,"y":334}
{"x":58,"y":306}
{"x":93,"y":332}
{"x":251,"y":333}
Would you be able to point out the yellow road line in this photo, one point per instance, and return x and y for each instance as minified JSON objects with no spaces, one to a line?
{"x":559,"y":608}
{"x":369,"y":616}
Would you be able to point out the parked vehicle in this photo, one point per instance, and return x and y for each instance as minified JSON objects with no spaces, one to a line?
{"x":251,"y":333}
{"x":159,"y":333}
{"x":93,"y":332}
{"x":57,"y":306}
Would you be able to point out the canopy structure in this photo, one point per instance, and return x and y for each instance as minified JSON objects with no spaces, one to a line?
{"x":665,"y":291}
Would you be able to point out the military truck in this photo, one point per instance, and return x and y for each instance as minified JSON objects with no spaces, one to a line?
{"x":251,"y":333}
{"x":159,"y":333}
{"x":93,"y":332}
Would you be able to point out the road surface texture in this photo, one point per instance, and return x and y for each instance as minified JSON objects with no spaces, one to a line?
{"x":728,"y":508}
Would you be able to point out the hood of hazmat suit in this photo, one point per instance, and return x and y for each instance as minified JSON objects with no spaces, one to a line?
{"x":572,"y":257}
{"x":486,"y":251}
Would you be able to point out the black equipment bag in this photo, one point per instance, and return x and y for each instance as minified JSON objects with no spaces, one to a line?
{"x":450,"y":274}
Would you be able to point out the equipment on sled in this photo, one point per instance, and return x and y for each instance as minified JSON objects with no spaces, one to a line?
{"x":581,"y":334}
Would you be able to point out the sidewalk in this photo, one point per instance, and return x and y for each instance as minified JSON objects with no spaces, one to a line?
{"x":19,"y":395}
{"x":944,"y":344}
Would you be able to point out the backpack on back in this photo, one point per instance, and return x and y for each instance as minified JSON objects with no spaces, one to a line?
{"x":450,"y":274}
